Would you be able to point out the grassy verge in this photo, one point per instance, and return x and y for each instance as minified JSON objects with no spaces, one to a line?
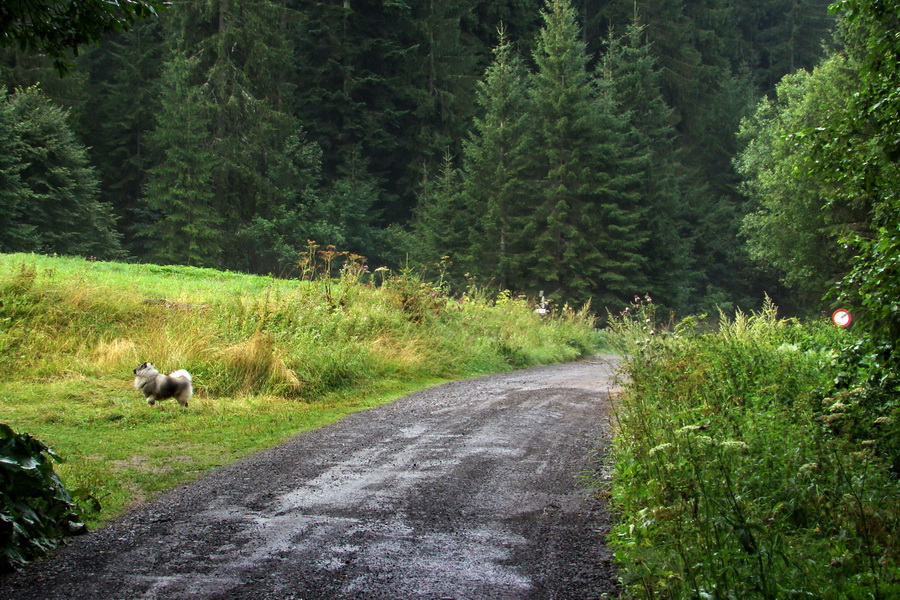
{"x":269,"y":358}
{"x":731,"y":480}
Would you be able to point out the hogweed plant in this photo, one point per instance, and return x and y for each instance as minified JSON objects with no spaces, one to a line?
{"x":728,"y":479}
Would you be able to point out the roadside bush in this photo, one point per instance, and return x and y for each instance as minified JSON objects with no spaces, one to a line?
{"x":36,"y":510}
{"x":729,"y":480}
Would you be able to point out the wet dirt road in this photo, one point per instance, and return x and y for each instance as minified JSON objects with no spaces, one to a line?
{"x":470,"y":490}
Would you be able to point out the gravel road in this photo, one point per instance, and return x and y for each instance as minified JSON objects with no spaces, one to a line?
{"x":470,"y":490}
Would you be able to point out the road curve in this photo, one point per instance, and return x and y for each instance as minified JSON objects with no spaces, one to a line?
{"x":470,"y":490}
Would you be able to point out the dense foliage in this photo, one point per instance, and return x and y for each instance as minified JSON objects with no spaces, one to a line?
{"x":253,"y":126}
{"x":761,"y":460}
{"x":58,"y":28}
{"x":50,"y":200}
{"x":800,"y":217}
{"x":873,"y":283}
{"x":741,"y":470}
{"x":822,"y":164}
{"x":36,"y":510}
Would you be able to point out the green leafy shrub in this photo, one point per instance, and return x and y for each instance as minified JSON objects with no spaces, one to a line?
{"x":868,"y":385}
{"x":732,"y":479}
{"x":36,"y":510}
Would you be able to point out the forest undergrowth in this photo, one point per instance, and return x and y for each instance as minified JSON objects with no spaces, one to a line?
{"x":741,"y":468}
{"x":269,"y":358}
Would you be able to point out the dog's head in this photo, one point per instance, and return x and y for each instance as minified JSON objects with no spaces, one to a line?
{"x":144,"y":369}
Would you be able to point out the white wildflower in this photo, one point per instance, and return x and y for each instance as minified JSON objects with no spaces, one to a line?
{"x":660,"y":448}
{"x":807,"y":468}
{"x":687,"y":429}
{"x":735,"y":444}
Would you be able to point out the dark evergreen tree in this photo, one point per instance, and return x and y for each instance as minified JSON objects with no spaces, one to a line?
{"x":355,"y":98}
{"x":778,"y":37}
{"x":726,"y":274}
{"x":521,"y":19}
{"x":187,"y":226}
{"x":770,"y":38}
{"x":349,"y":212}
{"x":24,"y":69}
{"x":280,"y":234}
{"x":240,"y":55}
{"x":585,"y":223}
{"x":715,"y":59}
{"x":124,"y":88}
{"x":495,"y":172}
{"x":629,"y":75}
{"x":709,"y":91}
{"x":390,"y":81}
{"x":450,"y":54}
{"x":15,"y":234}
{"x":59,"y":202}
{"x":338,"y":215}
{"x":440,"y":223}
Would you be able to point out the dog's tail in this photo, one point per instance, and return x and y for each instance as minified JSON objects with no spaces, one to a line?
{"x":181,"y":373}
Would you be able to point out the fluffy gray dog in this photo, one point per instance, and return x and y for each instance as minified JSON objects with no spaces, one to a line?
{"x":156,"y":386}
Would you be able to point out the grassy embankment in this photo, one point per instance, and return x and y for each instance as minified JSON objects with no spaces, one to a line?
{"x":740,"y":471}
{"x":270,"y":358}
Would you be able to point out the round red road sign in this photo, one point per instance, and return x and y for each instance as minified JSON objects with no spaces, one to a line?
{"x":842,"y":317}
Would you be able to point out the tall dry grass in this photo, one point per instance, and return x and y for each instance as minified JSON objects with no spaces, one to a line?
{"x":268,"y":357}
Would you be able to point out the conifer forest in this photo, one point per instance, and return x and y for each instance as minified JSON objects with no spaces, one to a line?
{"x":589,"y":150}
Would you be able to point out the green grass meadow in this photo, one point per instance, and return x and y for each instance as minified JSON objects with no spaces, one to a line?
{"x":269,"y":358}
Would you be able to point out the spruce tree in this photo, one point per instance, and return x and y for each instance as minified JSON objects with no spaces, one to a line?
{"x":358,"y":62}
{"x":391,"y":81}
{"x":280,"y":234}
{"x":585,"y":222}
{"x":450,"y":56}
{"x":15,"y":235}
{"x":495,"y":172}
{"x":187,"y":227}
{"x":440,"y":222}
{"x":240,"y":55}
{"x":778,"y":37}
{"x":59,"y":202}
{"x":124,"y":87}
{"x":715,"y":58}
{"x":562,"y":111}
{"x":349,"y":208}
{"x":629,"y":74}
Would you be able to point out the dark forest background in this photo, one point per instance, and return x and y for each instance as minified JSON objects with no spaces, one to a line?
{"x":585,"y":149}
